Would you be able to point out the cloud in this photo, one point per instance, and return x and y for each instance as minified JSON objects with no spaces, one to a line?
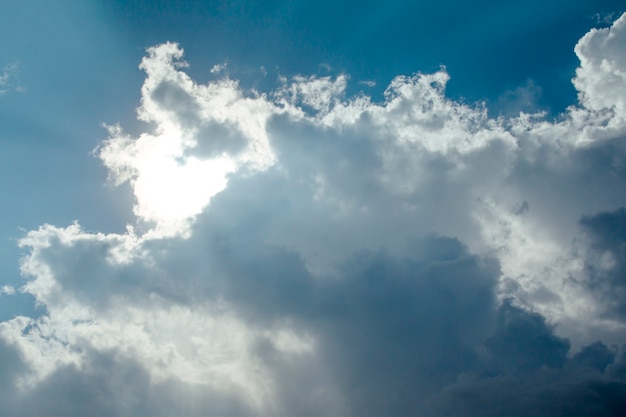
{"x":522,"y":99}
{"x":9,"y":80}
{"x":604,"y":18}
{"x":7,"y":289}
{"x":217,"y":68}
{"x":178,"y":168}
{"x":301,"y":252}
{"x":605,"y":265}
{"x":576,"y":388}
{"x":600,"y":78}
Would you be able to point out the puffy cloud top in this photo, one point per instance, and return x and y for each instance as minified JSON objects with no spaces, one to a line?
{"x":601,"y":77}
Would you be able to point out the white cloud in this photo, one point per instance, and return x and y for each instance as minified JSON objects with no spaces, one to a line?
{"x":176,"y":170}
{"x":601,"y":77}
{"x":604,"y":18}
{"x":320,"y":94}
{"x":217,"y":68}
{"x":7,"y":289}
{"x":288,"y":257}
{"x":8,"y":79}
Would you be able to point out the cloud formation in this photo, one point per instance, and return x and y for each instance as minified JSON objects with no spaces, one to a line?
{"x":8,"y":79}
{"x":301,"y":252}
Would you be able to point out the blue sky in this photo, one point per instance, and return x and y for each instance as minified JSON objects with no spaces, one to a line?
{"x":331,"y":186}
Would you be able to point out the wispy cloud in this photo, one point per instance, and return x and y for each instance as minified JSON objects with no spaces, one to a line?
{"x":368,"y":83}
{"x":7,"y":289}
{"x":9,"y":79}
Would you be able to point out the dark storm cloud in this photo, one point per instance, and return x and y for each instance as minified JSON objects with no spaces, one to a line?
{"x":606,"y":263}
{"x":586,"y":385}
{"x":528,"y":372}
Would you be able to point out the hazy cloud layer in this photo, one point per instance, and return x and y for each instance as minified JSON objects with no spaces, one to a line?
{"x":302,"y":252}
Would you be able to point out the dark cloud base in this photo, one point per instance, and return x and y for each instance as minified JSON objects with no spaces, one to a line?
{"x":423,"y":335}
{"x":608,"y":235}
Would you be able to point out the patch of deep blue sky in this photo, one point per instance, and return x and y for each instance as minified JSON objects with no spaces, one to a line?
{"x":77,"y":64}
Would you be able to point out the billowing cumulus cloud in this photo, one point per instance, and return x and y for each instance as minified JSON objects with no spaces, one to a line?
{"x":303,"y":252}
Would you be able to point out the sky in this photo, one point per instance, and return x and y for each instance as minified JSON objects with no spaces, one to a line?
{"x":298,"y":208}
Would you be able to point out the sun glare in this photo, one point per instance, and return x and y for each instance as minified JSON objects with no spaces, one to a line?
{"x":168,"y":190}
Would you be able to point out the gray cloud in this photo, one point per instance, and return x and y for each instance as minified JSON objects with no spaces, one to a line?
{"x":583,"y":385}
{"x":606,"y":262}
